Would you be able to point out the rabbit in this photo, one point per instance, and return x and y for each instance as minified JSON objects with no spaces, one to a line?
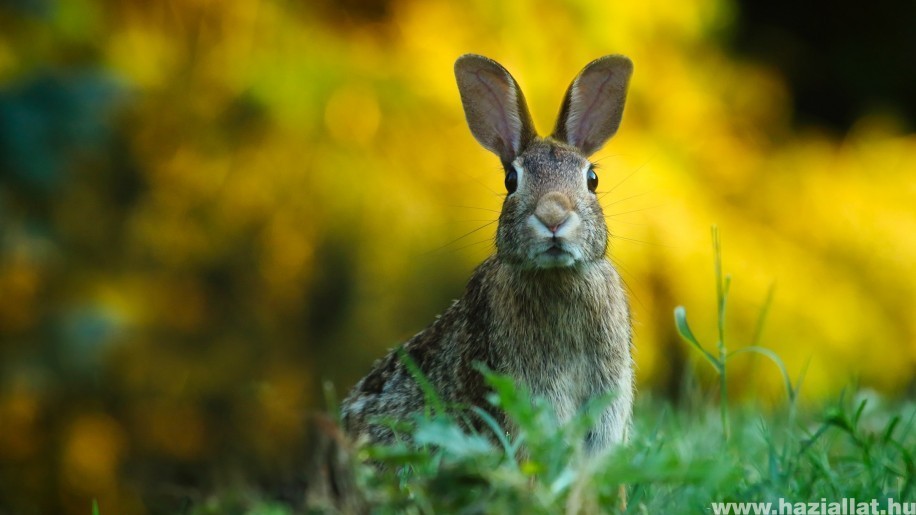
{"x":548,"y":308}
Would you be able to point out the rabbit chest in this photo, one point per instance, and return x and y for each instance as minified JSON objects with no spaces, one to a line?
{"x":565,"y":334}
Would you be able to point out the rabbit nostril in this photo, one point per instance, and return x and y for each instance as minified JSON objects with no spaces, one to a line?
{"x":555,"y":227}
{"x":553,"y":223}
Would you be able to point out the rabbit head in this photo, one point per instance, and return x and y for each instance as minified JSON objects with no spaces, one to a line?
{"x":551,"y":217}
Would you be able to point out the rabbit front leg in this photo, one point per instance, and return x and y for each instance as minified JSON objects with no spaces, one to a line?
{"x":612,"y":429}
{"x":613,"y":424}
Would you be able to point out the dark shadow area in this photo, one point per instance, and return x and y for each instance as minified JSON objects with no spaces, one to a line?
{"x":841,"y":60}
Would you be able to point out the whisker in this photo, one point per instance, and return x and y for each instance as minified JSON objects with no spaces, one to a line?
{"x":633,"y":224}
{"x":479,"y":182}
{"x":633,"y":211}
{"x":630,"y":289}
{"x":596,"y":161}
{"x":609,"y":215}
{"x":456,"y":240}
{"x":648,"y":243}
{"x":625,"y":179}
{"x":623,"y":199}
{"x":491,"y":240}
{"x":477,"y":208}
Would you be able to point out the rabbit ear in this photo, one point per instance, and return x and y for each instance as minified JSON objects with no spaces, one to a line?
{"x":593,"y":104}
{"x":494,"y":106}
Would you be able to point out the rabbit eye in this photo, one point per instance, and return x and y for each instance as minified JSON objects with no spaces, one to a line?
{"x":592,"y":180}
{"x":511,"y":181}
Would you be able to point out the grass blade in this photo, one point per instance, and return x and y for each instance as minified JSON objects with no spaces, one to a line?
{"x":755,"y":349}
{"x":680,"y":322}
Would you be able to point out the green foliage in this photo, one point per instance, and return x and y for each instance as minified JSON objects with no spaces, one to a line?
{"x":676,"y":458}
{"x":535,"y":469}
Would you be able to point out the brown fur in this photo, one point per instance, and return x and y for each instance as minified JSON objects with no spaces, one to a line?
{"x":548,"y":309}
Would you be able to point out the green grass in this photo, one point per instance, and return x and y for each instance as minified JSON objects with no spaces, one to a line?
{"x":678,"y":460}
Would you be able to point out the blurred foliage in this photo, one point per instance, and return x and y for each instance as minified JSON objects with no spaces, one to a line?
{"x":207,"y":208}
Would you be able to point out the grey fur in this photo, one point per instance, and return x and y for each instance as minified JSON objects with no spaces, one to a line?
{"x":548,"y":309}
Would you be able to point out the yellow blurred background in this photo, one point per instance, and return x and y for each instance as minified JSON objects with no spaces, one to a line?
{"x":208,"y":208}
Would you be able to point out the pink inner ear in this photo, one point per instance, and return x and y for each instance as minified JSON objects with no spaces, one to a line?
{"x":583,"y":117}
{"x":499,"y":112}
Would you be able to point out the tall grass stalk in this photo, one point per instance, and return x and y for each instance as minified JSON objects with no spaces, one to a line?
{"x":720,"y":362}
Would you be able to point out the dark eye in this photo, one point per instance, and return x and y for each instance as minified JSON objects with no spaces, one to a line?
{"x":511,"y":181}
{"x":592,"y":180}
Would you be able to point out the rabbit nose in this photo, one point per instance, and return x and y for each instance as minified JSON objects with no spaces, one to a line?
{"x":552,"y":210}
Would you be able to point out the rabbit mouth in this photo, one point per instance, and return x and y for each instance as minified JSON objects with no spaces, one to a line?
{"x":556,"y":255}
{"x":555,"y":251}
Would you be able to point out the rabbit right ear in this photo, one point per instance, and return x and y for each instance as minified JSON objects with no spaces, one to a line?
{"x":593,"y":105}
{"x":494,"y":106}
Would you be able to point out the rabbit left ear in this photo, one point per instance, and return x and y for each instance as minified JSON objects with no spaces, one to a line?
{"x":494,"y":106}
{"x":593,"y":105}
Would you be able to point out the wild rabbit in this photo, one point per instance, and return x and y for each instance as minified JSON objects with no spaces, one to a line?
{"x":548,"y":308}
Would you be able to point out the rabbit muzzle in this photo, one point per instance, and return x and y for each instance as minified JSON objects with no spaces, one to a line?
{"x":554,"y":225}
